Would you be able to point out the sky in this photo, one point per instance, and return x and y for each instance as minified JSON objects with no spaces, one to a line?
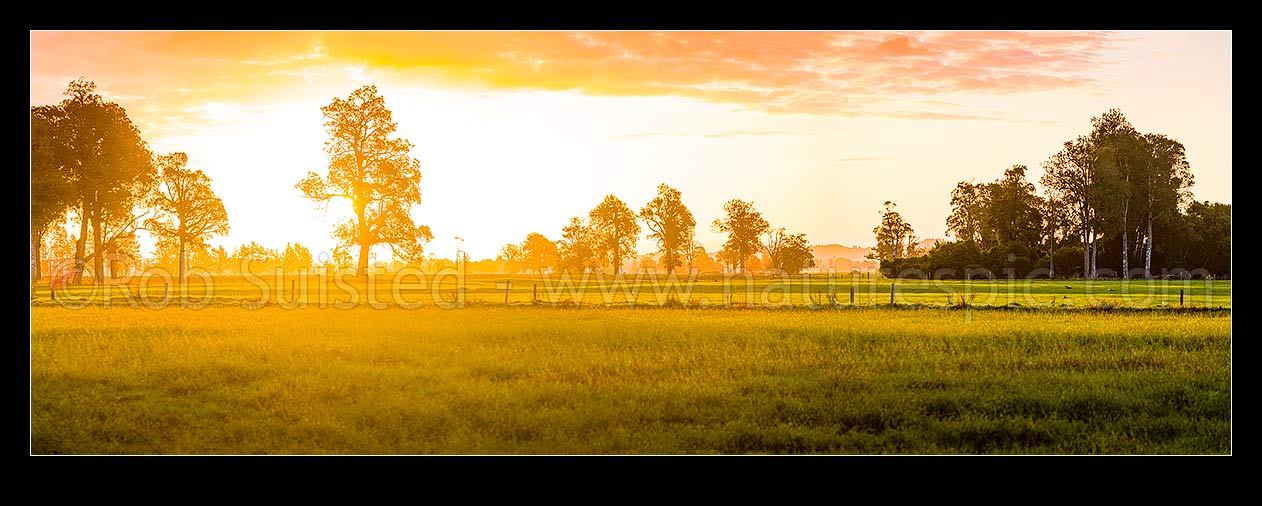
{"x":518,"y":131}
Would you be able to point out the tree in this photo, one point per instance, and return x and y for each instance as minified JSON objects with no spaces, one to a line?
{"x":375,"y":172}
{"x":253,"y":257}
{"x":538,"y":252}
{"x":296,"y":258}
{"x":108,"y":165}
{"x":1164,"y":187}
{"x":220,"y":259}
{"x":616,"y":231}
{"x":59,"y":245}
{"x":576,"y":248}
{"x":514,"y":258}
{"x":647,"y":262}
{"x":743,"y":225}
{"x":1055,"y":225}
{"x":1012,"y":209}
{"x":1119,"y":161}
{"x":703,"y":262}
{"x":190,"y":212}
{"x":1070,"y":178}
{"x":787,"y":252}
{"x":1209,"y":244}
{"x":968,"y":211}
{"x":894,"y":237}
{"x":670,"y":223}
{"x":51,"y":193}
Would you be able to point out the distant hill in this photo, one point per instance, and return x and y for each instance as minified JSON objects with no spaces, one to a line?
{"x":843,"y":258}
{"x":854,"y":253}
{"x":927,"y":243}
{"x":846,"y":258}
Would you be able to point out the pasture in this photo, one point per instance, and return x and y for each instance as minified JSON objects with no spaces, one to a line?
{"x":221,"y":378}
{"x":412,"y":288}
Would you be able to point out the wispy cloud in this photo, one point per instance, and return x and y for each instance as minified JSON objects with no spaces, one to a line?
{"x":741,"y":133}
{"x":844,"y":73}
{"x":706,"y":135}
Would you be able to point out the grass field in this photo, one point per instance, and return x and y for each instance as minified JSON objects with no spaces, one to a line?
{"x":413,"y":289}
{"x":521,"y":379}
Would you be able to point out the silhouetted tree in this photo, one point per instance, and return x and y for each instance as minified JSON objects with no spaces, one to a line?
{"x":968,"y":212}
{"x":702,"y":261}
{"x":296,"y":258}
{"x":670,"y":223}
{"x":190,"y":212}
{"x":538,"y":252}
{"x":51,"y":193}
{"x":576,"y":248}
{"x":256,"y":258}
{"x":1012,"y":209}
{"x":1164,"y":186}
{"x":1070,"y":178}
{"x":743,"y":225}
{"x":787,"y":252}
{"x":1119,"y":159}
{"x":513,"y":257}
{"x":894,"y":237}
{"x":616,"y":231}
{"x":375,"y":172}
{"x":109,"y":167}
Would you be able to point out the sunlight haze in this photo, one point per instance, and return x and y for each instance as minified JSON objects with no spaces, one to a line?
{"x":518,"y":131}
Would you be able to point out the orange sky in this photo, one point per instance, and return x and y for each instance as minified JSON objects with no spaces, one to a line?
{"x":517,"y":131}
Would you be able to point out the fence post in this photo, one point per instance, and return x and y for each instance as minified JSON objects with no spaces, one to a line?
{"x":534,"y":296}
{"x":507,"y":284}
{"x":1180,"y":297}
{"x":891,"y":294}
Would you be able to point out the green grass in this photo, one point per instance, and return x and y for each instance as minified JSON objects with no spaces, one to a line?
{"x":709,"y":290}
{"x":541,"y":380}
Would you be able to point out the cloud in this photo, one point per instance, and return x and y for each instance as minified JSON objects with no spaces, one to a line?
{"x":740,"y":133}
{"x":864,"y":159}
{"x":709,"y":135}
{"x":846,"y":73}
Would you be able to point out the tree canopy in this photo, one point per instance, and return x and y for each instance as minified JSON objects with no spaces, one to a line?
{"x":375,"y":172}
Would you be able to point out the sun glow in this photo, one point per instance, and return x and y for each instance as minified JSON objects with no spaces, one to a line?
{"x":516,"y":132}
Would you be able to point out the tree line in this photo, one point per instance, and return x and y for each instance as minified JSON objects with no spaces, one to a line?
{"x":90,"y":166}
{"x":605,"y":240}
{"x":1115,"y":199}
{"x":1117,"y":202}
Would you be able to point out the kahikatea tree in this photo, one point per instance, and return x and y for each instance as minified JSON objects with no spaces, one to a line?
{"x":189,"y":210}
{"x":375,"y":172}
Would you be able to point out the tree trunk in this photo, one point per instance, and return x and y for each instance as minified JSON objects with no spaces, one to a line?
{"x":1148,"y":249}
{"x":38,"y":239}
{"x":79,"y":246}
{"x":1126,"y":252}
{"x":181,"y":262}
{"x":1087,"y":253}
{"x":362,"y":269}
{"x":98,"y":259}
{"x":1051,"y":257}
{"x":1094,"y":254}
